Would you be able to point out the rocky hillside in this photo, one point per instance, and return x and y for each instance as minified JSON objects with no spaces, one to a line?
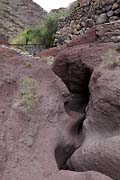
{"x":18,"y":14}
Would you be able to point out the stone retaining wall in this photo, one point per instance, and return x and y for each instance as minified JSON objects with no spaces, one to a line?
{"x":81,"y":19}
{"x":31,"y":49}
{"x":34,"y":48}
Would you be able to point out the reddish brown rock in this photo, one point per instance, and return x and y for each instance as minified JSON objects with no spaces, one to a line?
{"x":75,"y":64}
{"x":100,"y":150}
{"x":37,"y":135}
{"x":50,"y":52}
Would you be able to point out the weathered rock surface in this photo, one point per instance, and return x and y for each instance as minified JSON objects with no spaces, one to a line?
{"x":67,"y":175}
{"x":99,"y":147}
{"x":28,"y":117}
{"x":16,"y":15}
{"x":32,"y":121}
{"x":37,"y":133}
{"x":75,"y":64}
{"x":100,"y":150}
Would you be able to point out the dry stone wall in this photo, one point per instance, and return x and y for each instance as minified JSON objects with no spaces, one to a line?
{"x":92,"y":13}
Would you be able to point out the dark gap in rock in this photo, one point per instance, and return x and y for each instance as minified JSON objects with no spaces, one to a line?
{"x":77,"y":126}
{"x":75,"y":107}
{"x":80,"y":126}
{"x":62,"y":154}
{"x":77,"y":102}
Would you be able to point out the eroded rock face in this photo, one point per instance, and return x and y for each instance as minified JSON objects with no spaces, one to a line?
{"x":75,"y":64}
{"x":99,"y":132}
{"x":100,"y":150}
{"x":37,"y":134}
{"x":27,"y":116}
{"x":16,"y":15}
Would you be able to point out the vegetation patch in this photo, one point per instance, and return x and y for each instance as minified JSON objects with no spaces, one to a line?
{"x":28,"y":95}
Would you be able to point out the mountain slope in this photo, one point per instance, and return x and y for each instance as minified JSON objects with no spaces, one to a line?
{"x":19,"y":14}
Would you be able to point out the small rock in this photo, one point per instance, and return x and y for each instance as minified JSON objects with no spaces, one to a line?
{"x":103,"y":10}
{"x":72,"y":22}
{"x":78,"y":26}
{"x":118,"y":38}
{"x":83,"y":24}
{"x":115,"y":6}
{"x":108,"y":7}
{"x":110,"y":13}
{"x":102,"y":19}
{"x":117,"y":11}
{"x":113,"y":18}
{"x":89,"y":23}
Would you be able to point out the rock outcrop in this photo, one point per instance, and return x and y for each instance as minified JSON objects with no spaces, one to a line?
{"x":37,"y":135}
{"x":75,"y":65}
{"x":100,"y":150}
{"x":76,"y":62}
{"x":16,"y":15}
{"x":99,"y":132}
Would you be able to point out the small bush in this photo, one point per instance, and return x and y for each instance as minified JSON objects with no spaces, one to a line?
{"x":23,"y":38}
{"x":28,"y":95}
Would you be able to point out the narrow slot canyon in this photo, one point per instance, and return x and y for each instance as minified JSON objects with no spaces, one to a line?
{"x":75,"y":107}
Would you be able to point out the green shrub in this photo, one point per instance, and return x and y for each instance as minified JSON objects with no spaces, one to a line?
{"x":43,"y":34}
{"x":28,"y":96}
{"x":23,"y":38}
